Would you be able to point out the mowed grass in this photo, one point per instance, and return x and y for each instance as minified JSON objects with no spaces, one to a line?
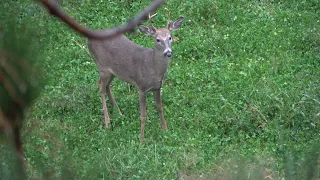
{"x":241,"y":99}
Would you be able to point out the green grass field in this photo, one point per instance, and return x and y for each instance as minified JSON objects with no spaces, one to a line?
{"x":241,"y":99}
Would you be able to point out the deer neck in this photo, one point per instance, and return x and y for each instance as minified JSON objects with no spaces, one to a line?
{"x":160,"y":62}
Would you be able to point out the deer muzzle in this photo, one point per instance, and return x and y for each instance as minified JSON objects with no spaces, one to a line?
{"x":168,"y":52}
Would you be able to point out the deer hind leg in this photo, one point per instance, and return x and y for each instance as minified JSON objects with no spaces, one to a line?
{"x":109,"y":93}
{"x":103,"y":81}
{"x":157,"y":98}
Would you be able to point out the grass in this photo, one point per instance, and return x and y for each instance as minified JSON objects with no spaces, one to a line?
{"x":241,"y":99}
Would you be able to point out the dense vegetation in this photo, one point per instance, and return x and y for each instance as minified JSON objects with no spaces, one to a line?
{"x":241,"y":99}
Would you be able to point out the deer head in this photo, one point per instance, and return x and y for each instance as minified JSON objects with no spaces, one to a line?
{"x":162,"y":36}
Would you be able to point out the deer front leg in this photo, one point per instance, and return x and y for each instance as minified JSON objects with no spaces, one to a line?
{"x":157,"y":98}
{"x":143,"y":115}
{"x":102,"y":87}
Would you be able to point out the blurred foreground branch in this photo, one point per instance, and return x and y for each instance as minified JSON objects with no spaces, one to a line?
{"x":19,"y":85}
{"x":102,"y":34}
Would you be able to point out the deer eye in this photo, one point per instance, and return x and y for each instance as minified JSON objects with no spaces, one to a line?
{"x":170,"y":38}
{"x":158,"y":40}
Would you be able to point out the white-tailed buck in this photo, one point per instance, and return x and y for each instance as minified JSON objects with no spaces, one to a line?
{"x":146,"y":68}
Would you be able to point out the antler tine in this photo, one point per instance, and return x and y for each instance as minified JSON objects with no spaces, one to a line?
{"x":168,"y":17}
{"x":150,"y":18}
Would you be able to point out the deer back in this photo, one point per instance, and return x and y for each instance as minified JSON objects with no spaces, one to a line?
{"x":125,"y":59}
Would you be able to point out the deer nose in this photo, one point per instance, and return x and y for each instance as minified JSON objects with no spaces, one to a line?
{"x":168,"y":54}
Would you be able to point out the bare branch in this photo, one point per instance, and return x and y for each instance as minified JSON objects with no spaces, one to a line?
{"x":100,"y":34}
{"x":4,"y":122}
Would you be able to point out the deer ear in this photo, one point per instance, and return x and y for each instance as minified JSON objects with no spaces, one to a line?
{"x":175,"y":24}
{"x":147,"y":30}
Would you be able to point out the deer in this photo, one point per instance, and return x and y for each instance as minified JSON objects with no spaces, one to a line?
{"x":143,"y":67}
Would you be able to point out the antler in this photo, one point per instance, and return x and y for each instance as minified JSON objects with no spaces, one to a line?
{"x":168,"y":17}
{"x":150,"y":19}
{"x":56,"y":11}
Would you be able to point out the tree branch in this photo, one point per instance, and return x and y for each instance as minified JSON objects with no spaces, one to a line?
{"x":102,"y":34}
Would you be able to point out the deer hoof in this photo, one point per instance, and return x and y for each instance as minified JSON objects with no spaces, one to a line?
{"x":141,"y":140}
{"x":165,"y":127}
{"x":120,"y":113}
{"x":106,"y":123}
